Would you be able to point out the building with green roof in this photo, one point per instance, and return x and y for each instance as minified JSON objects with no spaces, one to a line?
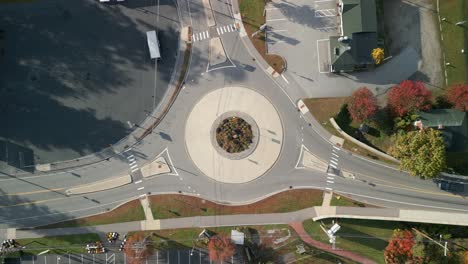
{"x":452,"y":123}
{"x":358,"y":26}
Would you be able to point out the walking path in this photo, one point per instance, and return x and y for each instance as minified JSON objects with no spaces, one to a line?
{"x":299,"y":228}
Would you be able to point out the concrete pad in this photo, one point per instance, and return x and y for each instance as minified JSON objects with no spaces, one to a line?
{"x":217,"y":54}
{"x":156,"y":167}
{"x":101,"y":185}
{"x":337,"y":141}
{"x":184,"y":34}
{"x":206,"y":157}
{"x":310,"y":161}
{"x":150,"y":225}
{"x":43,"y":167}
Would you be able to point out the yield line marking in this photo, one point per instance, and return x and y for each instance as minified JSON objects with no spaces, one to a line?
{"x":141,"y":188}
{"x":138,"y":181}
{"x":330,"y":182}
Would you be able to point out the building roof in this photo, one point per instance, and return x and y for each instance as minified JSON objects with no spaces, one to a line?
{"x":443,"y":117}
{"x":359,"y":16}
{"x":357,"y":51}
{"x":359,"y":28}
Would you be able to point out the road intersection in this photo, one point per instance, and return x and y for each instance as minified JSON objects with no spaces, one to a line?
{"x":37,"y":199}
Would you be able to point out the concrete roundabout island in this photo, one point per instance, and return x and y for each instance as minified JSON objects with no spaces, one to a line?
{"x":248,"y":105}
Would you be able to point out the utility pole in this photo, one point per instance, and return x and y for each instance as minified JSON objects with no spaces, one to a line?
{"x":428,"y":237}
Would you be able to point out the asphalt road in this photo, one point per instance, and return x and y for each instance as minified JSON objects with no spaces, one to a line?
{"x":72,"y":74}
{"x":31,"y":200}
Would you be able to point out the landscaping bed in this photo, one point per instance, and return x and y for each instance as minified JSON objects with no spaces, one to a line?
{"x":175,"y":205}
{"x":325,"y":108}
{"x":131,"y":211}
{"x":274,"y":243}
{"x":252,"y":18}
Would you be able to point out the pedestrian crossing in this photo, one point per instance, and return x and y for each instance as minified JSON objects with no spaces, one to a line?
{"x":219,"y":31}
{"x":333,"y":168}
{"x":132,"y":163}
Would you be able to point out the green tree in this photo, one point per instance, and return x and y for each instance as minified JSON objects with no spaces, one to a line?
{"x":422,"y":153}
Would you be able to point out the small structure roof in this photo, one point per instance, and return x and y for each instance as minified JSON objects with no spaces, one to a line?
{"x":442,"y":117}
{"x":359,"y":16}
{"x":237,"y":237}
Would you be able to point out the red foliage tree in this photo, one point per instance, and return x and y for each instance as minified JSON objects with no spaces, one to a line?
{"x":362,"y":104}
{"x":136,"y":249}
{"x":458,"y":96}
{"x":408,"y":96}
{"x":399,"y":249}
{"x":220,"y":248}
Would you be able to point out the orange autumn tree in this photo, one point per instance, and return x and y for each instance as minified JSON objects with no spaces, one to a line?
{"x":220,"y":248}
{"x":362,"y":104}
{"x":400,"y":247}
{"x":136,"y":249}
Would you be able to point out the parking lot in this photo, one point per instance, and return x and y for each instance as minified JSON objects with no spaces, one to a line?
{"x":73,"y":73}
{"x":299,"y":31}
{"x":159,"y":257}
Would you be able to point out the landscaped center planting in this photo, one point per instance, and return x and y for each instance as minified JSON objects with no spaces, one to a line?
{"x":234,"y":135}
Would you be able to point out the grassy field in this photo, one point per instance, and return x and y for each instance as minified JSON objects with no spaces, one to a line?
{"x":252,"y":17}
{"x":57,"y":244}
{"x":172,"y":206}
{"x":131,"y":211}
{"x":455,"y":38}
{"x":365,"y":237}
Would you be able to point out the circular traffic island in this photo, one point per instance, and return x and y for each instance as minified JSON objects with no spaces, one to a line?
{"x":234,"y":135}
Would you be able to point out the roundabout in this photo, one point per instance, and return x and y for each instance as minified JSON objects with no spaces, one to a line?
{"x":233,"y":135}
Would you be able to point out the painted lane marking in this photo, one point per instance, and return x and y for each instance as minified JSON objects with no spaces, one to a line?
{"x":330,"y":182}
{"x":141,"y":188}
{"x":137,"y":182}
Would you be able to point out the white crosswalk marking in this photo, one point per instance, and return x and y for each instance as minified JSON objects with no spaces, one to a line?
{"x":207,"y":34}
{"x":228,"y":28}
{"x":217,"y":30}
{"x":222,"y":32}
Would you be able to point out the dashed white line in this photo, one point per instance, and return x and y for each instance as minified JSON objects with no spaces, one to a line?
{"x":333,"y":166}
{"x":217,"y":30}
{"x":133,"y":170}
{"x":334,"y":162}
{"x":137,"y":182}
{"x":141,"y":188}
{"x":336,"y":148}
{"x":334,"y":154}
{"x":330,"y":182}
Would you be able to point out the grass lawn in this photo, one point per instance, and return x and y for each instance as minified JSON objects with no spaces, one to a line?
{"x":455,"y":39}
{"x":131,"y":211}
{"x":365,"y":237}
{"x":324,"y":108}
{"x":252,"y":17}
{"x":173,"y":205}
{"x":57,"y":244}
